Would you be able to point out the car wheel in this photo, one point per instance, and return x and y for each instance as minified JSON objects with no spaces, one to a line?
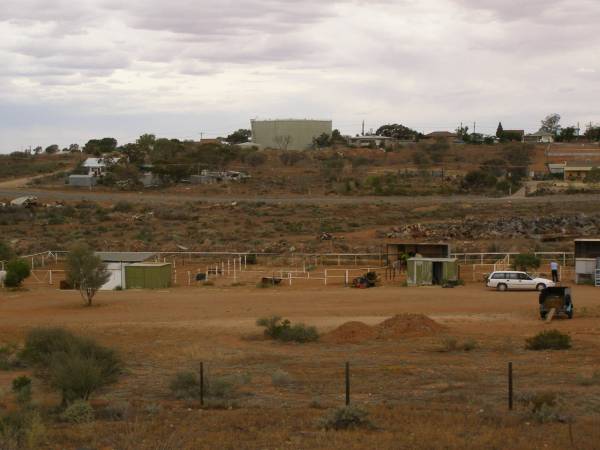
{"x":540,"y":287}
{"x":570,"y":314}
{"x":502,"y":287}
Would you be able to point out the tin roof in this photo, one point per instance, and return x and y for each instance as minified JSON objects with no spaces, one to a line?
{"x":132,"y":257}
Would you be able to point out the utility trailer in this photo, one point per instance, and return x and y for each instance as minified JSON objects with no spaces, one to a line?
{"x":554,"y":301}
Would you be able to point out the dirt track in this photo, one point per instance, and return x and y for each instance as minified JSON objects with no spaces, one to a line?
{"x":154,"y":197}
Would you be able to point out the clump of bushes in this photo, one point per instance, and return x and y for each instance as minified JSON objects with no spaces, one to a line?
{"x":16,"y":271}
{"x":78,"y":412}
{"x":282,"y":330}
{"x":281,"y":378}
{"x":543,"y":406}
{"x":21,"y":387}
{"x":8,"y":357}
{"x":348,"y":417}
{"x":186,"y":385}
{"x":73,"y":365}
{"x":451,"y":344}
{"x":549,"y":340}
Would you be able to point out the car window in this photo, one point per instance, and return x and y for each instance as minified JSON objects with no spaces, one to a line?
{"x":498,"y":276}
{"x":513,"y":276}
{"x":524,"y":276}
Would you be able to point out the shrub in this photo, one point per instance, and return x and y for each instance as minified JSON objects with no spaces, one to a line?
{"x":283,"y":330}
{"x":543,"y":406}
{"x":21,"y":387}
{"x":8,"y":358}
{"x":549,"y":340}
{"x":73,"y":365}
{"x":78,"y":412}
{"x":23,"y":428}
{"x":281,"y":378}
{"x":345,"y":418}
{"x":122,"y":206}
{"x":16,"y":271}
{"x":251,"y":258}
{"x":185,"y":385}
{"x":593,"y":380}
{"x":451,"y":344}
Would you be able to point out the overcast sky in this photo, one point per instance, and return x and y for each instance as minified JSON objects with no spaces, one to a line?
{"x":71,"y":70}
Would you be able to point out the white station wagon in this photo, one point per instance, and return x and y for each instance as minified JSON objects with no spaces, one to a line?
{"x":517,"y":280}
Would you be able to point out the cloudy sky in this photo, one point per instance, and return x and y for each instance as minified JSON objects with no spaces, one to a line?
{"x":71,"y":70}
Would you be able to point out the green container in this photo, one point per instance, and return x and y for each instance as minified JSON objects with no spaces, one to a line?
{"x":431,"y":271}
{"x":148,"y":276}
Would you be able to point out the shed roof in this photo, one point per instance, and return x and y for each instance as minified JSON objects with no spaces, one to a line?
{"x":132,"y":257}
{"x":149,"y":264}
{"x":418,"y":258}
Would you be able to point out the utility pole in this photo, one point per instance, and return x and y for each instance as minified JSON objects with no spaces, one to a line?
{"x":474,"y":127}
{"x":363,"y":128}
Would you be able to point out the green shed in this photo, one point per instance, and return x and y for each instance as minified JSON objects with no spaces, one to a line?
{"x":148,"y":276}
{"x":431,"y":271}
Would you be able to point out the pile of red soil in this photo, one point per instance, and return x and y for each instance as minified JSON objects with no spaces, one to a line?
{"x":397,"y":327}
{"x":351,"y":333}
{"x":408,"y":325}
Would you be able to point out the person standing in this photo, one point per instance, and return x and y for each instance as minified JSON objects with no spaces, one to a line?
{"x":554,"y":268}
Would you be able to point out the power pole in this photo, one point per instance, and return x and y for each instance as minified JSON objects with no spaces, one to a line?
{"x":363,"y":128}
{"x":474,"y":127}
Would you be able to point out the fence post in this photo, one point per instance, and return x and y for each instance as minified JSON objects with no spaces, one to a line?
{"x":189,"y":278}
{"x":347,"y":383}
{"x":325,"y":276}
{"x":50,"y":277}
{"x":510,"y":386}
{"x":290,"y":277}
{"x":346,"y":277}
{"x":201,"y":384}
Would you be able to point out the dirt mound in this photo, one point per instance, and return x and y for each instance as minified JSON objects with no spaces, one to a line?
{"x":407,"y":325}
{"x":400,"y":326}
{"x":351,"y":333}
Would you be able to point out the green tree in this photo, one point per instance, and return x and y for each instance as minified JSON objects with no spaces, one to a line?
{"x":567,"y":134}
{"x":16,"y":272}
{"x":337,"y":138}
{"x":98,"y":147}
{"x":6,"y":252}
{"x":322,"y":141}
{"x":526,"y":261}
{"x":51,"y":149}
{"x":134,"y":152}
{"x":478,"y":179}
{"x":551,"y":124}
{"x":398,"y":131}
{"x":499,"y":131}
{"x":146,"y":142}
{"x":239,"y":137}
{"x":86,"y":271}
{"x":592,"y":132}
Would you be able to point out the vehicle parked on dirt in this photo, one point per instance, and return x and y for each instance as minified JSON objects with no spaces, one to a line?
{"x":514,"y":280}
{"x":557,"y":298}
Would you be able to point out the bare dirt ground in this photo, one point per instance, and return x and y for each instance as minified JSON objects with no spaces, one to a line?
{"x":418,"y":394}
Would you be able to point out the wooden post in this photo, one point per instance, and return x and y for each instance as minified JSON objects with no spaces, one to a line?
{"x":325,"y":276}
{"x":347,"y":383}
{"x":510,"y":386}
{"x":346,"y":277}
{"x":50,"y":277}
{"x":290,"y":277}
{"x":201,"y":384}
{"x":189,"y":278}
